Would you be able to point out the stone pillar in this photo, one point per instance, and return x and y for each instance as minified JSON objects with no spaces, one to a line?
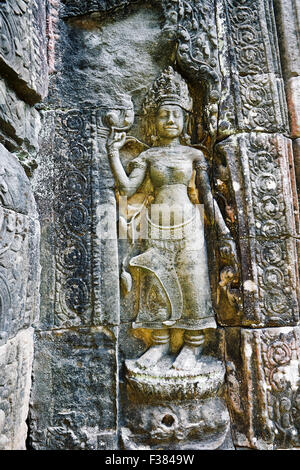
{"x":71,"y":339}
{"x":287,"y":19}
{"x":23,"y":83}
{"x":261,"y":351}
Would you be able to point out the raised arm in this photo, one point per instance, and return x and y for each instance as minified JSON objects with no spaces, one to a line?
{"x":127,"y":185}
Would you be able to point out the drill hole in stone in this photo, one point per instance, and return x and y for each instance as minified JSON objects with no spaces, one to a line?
{"x":168,"y":420}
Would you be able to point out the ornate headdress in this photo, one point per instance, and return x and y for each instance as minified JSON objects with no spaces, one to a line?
{"x":168,"y":88}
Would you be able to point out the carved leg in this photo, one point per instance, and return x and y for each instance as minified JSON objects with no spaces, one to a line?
{"x":160,"y":347}
{"x":187,"y":358}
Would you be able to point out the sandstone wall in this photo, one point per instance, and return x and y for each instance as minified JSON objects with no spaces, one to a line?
{"x":70,"y":73}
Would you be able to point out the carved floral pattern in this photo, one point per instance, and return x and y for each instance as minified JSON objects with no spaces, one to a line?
{"x":194,"y":27}
{"x":259,"y":93}
{"x":280,"y":363}
{"x":73,"y":220}
{"x":269,"y":387}
{"x":273,"y":219}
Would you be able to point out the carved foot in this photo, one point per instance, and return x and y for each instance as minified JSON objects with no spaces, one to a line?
{"x":187,"y":358}
{"x":152,"y":356}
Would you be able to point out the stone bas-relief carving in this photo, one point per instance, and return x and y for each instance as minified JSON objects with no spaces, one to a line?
{"x":95,"y":386}
{"x":16,"y":357}
{"x":66,"y":419}
{"x":164,"y":410}
{"x":176,"y":250}
{"x":190,"y":425}
{"x":19,"y":300}
{"x":263,"y":366}
{"x":22,"y":47}
{"x":174,"y":288}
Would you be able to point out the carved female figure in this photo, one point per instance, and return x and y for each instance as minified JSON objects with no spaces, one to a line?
{"x":177,"y":292}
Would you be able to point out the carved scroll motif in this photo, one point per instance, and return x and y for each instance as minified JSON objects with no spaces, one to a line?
{"x":72,"y":220}
{"x":254,"y":66}
{"x":85,"y":219}
{"x":269,"y":388}
{"x":266,"y":227}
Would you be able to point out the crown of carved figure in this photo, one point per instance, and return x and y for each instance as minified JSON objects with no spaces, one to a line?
{"x":168,"y":88}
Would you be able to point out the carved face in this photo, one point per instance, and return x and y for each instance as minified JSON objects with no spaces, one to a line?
{"x":169,"y":121}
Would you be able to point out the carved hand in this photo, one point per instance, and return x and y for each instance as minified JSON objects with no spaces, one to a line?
{"x":116,"y":142}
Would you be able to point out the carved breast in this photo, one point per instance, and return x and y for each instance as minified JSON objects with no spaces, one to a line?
{"x":170,"y":172}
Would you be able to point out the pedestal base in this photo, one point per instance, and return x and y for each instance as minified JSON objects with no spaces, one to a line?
{"x":171,"y":409}
{"x":162,"y":383}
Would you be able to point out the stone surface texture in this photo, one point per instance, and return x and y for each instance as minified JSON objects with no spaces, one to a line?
{"x":19,"y":298}
{"x":23,"y":82}
{"x":74,"y":76}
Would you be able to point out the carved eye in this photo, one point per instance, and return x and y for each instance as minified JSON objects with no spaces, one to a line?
{"x":163,"y":114}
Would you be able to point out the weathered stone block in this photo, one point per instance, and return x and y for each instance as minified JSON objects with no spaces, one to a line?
{"x":194,"y":425}
{"x":23,"y":47}
{"x":259,"y":168}
{"x":167,"y":409}
{"x":75,"y":8}
{"x":15,"y":381}
{"x":73,"y":401}
{"x":262,"y":103}
{"x":19,"y":248}
{"x":296,"y":151}
{"x":105,"y":54}
{"x":287,"y":19}
{"x":263,"y":386}
{"x":65,"y":211}
{"x":255,"y":97}
{"x":15,"y":188}
{"x":20,"y":124}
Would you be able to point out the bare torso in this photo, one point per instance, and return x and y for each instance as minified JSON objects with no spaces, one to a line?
{"x":171,"y":170}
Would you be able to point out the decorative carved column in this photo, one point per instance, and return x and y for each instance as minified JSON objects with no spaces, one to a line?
{"x":259,"y":159}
